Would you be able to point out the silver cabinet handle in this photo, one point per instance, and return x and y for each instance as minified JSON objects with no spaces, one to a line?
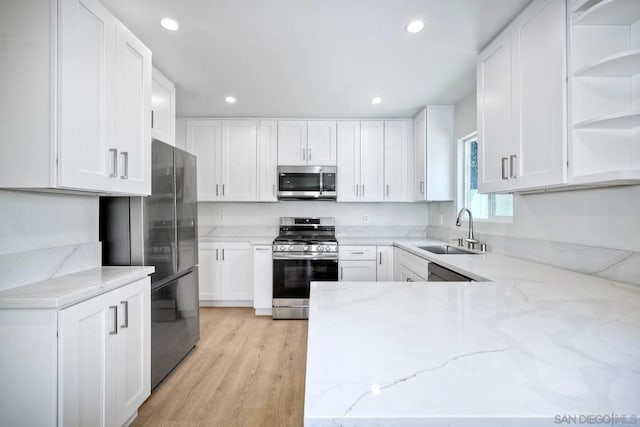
{"x":380,"y":256}
{"x":513,"y":166}
{"x":356,"y":189}
{"x":262,"y":249}
{"x":387,"y":190}
{"x":223,"y":254}
{"x":309,"y":153}
{"x":126,"y":314}
{"x":115,"y":319}
{"x":151,"y":119}
{"x":223,"y":190}
{"x":357,"y":253}
{"x":362,"y":190}
{"x":114,"y":172}
{"x":125,"y":161}
{"x":341,"y":273}
{"x":217,"y":259}
{"x":273,"y":190}
{"x":304,"y":154}
{"x":504,"y":167}
{"x":217,"y":185}
{"x":421,"y":187}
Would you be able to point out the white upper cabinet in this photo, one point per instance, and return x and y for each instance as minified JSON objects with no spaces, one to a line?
{"x":267,"y":160}
{"x":163,"y":108}
{"x":397,"y":165}
{"x":360,"y":161}
{"x":93,"y":133}
{"x":604,"y":88}
{"x":204,"y":140}
{"x":239,"y":179}
{"x":292,"y":142}
{"x":522,"y":102}
{"x":307,"y":143}
{"x":434,"y":154}
{"x":321,"y":143}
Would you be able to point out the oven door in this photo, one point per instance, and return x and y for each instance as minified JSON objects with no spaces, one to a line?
{"x":293,"y":276}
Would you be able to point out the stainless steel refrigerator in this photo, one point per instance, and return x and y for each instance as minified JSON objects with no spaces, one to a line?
{"x":161,"y":230}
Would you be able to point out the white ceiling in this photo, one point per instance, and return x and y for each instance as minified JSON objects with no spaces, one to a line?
{"x":316,"y":58}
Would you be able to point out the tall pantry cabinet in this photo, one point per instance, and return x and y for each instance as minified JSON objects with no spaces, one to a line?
{"x":76,"y":96}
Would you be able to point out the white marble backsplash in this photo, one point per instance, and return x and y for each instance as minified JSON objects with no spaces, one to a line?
{"x":235,"y":231}
{"x":398,"y":231}
{"x":21,"y":268}
{"x":615,"y":264}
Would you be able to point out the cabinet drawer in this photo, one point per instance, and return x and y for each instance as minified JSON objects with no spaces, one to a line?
{"x":414,"y":263}
{"x":357,"y":253}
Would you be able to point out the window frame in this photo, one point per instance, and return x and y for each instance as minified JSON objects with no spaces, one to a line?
{"x":463,"y":184}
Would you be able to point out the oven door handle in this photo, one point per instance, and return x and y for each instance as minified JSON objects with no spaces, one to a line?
{"x":305,"y":256}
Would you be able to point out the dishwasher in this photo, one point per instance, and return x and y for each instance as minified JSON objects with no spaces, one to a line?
{"x":438,"y":273}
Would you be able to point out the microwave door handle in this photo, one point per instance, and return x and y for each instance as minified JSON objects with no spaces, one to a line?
{"x":321,"y":181}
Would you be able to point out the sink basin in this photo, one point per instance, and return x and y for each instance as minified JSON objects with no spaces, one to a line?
{"x":447,"y":250}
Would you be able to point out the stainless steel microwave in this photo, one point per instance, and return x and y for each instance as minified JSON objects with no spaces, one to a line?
{"x":307,"y":182}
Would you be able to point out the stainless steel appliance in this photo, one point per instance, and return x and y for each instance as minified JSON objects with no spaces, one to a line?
{"x":438,"y":273}
{"x":161,"y":230}
{"x":307,"y":182}
{"x":305,"y":251}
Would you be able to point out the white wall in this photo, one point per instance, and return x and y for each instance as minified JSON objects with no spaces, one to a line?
{"x":392,"y":214}
{"x":607,"y":217}
{"x":30,"y":220}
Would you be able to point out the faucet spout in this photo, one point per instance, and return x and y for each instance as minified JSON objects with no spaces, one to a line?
{"x":459,"y":222}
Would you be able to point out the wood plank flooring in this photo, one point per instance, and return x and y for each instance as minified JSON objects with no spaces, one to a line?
{"x":246,"y":370}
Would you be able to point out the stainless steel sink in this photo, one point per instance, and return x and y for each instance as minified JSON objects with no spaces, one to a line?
{"x":447,"y":250}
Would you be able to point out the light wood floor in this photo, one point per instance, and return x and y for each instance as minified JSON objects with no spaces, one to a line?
{"x":246,"y":371}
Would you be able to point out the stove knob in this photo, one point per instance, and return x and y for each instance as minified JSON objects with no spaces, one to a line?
{"x":305,"y":248}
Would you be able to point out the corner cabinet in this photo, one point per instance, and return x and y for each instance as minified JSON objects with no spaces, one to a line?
{"x":87,"y":364}
{"x":434,"y":149}
{"x":521,"y":106}
{"x":86,"y":97}
{"x":163,"y":108}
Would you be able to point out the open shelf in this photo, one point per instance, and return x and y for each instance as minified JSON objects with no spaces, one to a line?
{"x":613,"y":121}
{"x":624,"y":64}
{"x":610,"y":12}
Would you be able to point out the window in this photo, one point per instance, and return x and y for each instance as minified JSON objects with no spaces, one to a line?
{"x":493,"y":207}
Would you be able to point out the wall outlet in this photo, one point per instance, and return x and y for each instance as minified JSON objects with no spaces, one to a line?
{"x":441,"y":219}
{"x":365,"y":219}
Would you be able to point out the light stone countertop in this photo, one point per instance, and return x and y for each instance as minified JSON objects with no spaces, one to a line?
{"x":72,"y":288}
{"x":471,"y":354}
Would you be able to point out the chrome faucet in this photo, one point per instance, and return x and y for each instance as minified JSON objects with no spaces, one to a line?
{"x":471,"y":241}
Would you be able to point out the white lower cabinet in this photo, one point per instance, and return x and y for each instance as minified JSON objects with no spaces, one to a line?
{"x":262,"y":280}
{"x":225,"y":276}
{"x":85,"y":365}
{"x":366,"y":263}
{"x":410,"y":267}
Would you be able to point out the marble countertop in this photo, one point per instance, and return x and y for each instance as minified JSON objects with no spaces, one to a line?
{"x":507,"y":352}
{"x":72,"y":288}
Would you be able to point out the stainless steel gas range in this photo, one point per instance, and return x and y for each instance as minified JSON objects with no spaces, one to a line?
{"x":305,"y":251}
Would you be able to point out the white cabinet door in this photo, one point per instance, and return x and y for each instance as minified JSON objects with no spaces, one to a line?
{"x":396,"y":161}
{"x":385,"y":264}
{"x":204,"y":141}
{"x":208,"y":272}
{"x":372,"y":161}
{"x":163,"y":108}
{"x":420,"y":156}
{"x":133,"y":368}
{"x":267,"y":160}
{"x":239,"y":178}
{"x":262,"y":279}
{"x":348,"y":161}
{"x":539,"y":96}
{"x":358,"y":271}
{"x":132,"y":114}
{"x":86,"y":58}
{"x":292,"y":142}
{"x":321,"y":143}
{"x":87,"y":358}
{"x":236,"y":275}
{"x":494,"y":114}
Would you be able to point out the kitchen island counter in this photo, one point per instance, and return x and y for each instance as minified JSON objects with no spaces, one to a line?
{"x":471,"y":354}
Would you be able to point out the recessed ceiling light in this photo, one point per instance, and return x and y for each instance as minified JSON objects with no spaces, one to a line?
{"x":376,"y":100}
{"x":169,"y":24}
{"x":415,"y":26}
{"x":230,"y":99}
